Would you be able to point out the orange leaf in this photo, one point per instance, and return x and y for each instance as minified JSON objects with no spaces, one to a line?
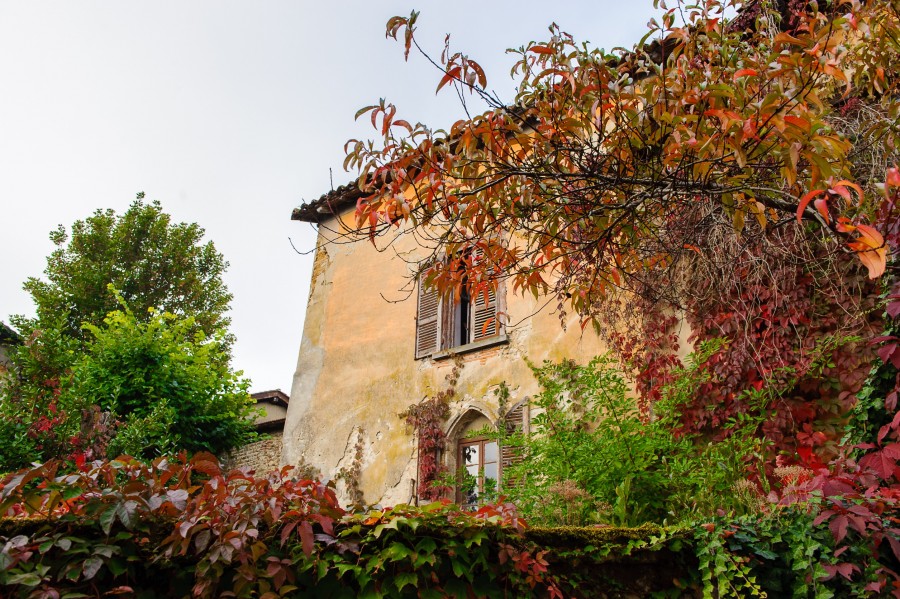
{"x":541,"y":50}
{"x":871,"y":250}
{"x":745,"y":73}
{"x":804,"y":202}
{"x":450,"y":76}
{"x":822,"y":207}
{"x":870,"y":236}
{"x":798,"y":122}
{"x":893,"y":177}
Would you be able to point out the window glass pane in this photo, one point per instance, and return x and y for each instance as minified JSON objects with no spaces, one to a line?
{"x":490,"y":471}
{"x":490,"y":451}
{"x":470,"y":454}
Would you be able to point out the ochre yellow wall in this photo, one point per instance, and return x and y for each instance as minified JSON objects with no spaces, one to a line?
{"x":356,"y":371}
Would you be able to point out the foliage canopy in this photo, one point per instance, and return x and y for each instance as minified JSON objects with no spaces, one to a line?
{"x":153,"y":262}
{"x":615,"y":171}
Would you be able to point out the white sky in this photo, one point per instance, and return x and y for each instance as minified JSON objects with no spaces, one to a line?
{"x":230,"y":114}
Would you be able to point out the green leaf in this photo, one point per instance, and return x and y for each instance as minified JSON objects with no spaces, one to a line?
{"x":116,"y":566}
{"x":402,"y":579}
{"x":397,"y":551}
{"x":91,"y":566}
{"x":26,"y":579}
{"x":108,"y":518}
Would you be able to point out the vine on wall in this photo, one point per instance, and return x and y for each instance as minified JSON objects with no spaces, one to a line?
{"x":795,"y":317}
{"x":427,"y":419}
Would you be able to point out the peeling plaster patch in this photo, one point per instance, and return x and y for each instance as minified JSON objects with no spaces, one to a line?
{"x":346,"y":464}
{"x":349,"y":448}
{"x":402,"y":491}
{"x":305,"y":381}
{"x":321,"y":262}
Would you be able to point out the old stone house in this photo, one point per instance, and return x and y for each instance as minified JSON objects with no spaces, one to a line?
{"x":367,"y":354}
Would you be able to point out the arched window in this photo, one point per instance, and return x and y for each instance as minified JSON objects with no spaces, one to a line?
{"x":479,"y":470}
{"x":476,"y":459}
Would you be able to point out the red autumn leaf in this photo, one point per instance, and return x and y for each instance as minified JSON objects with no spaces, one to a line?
{"x":845,"y":569}
{"x":206,"y":463}
{"x":895,"y":545}
{"x":880,"y":463}
{"x":307,"y":538}
{"x":451,"y":75}
{"x":889,"y":354}
{"x":893,"y":307}
{"x":838,"y":527}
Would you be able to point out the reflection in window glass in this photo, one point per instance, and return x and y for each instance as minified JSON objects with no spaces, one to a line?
{"x":490,"y":451}
{"x":479,"y":472}
{"x":470,"y":455}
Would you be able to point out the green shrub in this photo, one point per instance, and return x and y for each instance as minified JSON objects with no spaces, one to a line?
{"x":591,"y":456}
{"x":170,"y":386}
{"x":144,"y":387}
{"x":176,"y":529}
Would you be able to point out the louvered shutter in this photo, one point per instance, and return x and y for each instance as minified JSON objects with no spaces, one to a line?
{"x":515,"y":421}
{"x":484,"y":313}
{"x":428,"y":332}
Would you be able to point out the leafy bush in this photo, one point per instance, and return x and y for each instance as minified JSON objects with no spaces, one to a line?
{"x":141,"y":388}
{"x":171,"y":386}
{"x":174,"y":528}
{"x":34,"y":418}
{"x":591,"y":457}
{"x":178,"y":528}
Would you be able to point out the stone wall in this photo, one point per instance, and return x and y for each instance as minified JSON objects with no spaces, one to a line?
{"x":262,"y":456}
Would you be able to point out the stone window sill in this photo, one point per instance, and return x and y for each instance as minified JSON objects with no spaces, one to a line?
{"x":470,"y":347}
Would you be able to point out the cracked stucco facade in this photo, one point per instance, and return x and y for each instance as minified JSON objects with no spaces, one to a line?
{"x":356,"y":369}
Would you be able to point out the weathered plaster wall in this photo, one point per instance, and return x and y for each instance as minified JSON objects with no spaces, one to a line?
{"x":271,"y":413}
{"x":356,"y":371}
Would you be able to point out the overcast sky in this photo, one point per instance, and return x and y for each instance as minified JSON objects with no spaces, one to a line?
{"x":230,"y":114}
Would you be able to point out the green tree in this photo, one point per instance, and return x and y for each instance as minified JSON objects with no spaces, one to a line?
{"x":153,"y":262}
{"x":153,"y":378}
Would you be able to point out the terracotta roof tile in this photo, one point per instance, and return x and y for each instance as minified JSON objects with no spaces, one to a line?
{"x":333,"y":202}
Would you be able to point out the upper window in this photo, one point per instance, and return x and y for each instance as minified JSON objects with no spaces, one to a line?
{"x":447,"y":323}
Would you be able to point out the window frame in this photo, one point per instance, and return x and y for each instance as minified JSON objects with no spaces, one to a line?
{"x":480,"y":441}
{"x":442,"y":310}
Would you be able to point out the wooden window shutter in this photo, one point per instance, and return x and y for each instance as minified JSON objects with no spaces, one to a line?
{"x":428,"y":334}
{"x":515,"y":421}
{"x":485,"y":322}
